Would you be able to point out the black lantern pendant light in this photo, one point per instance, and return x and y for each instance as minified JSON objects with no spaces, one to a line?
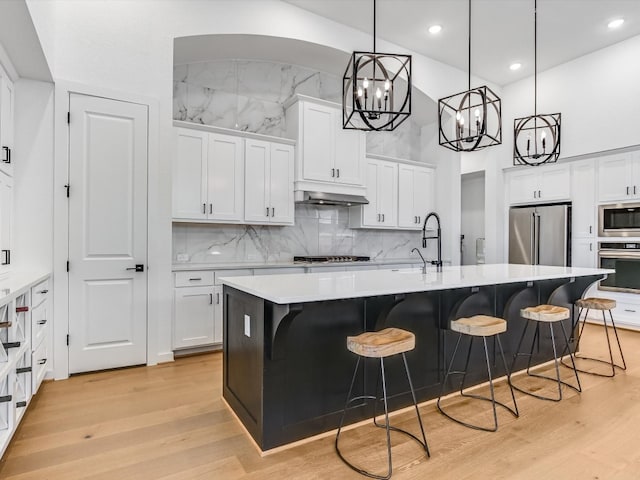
{"x":536,"y":138}
{"x":470,"y":120}
{"x":376,"y":89}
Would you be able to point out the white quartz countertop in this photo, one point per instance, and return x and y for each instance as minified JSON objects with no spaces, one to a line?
{"x":311,"y":287}
{"x":186,"y":267}
{"x":16,"y":283}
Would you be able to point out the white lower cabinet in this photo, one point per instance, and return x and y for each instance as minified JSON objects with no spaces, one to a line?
{"x":194,"y":314}
{"x":24,"y":354}
{"x":583,"y":252}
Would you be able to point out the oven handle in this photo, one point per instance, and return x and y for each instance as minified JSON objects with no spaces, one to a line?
{"x":618,"y":254}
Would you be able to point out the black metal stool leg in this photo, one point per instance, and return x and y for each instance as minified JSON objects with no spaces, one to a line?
{"x":506,"y":369}
{"x":493,"y":395}
{"x":386,"y":421}
{"x":415,"y":403}
{"x":575,"y":370}
{"x":615,"y":330}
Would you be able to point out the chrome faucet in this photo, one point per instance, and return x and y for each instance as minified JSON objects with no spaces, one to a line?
{"x":438,"y":237}
{"x":424,"y":262}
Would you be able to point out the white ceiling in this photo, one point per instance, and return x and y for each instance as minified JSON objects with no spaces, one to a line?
{"x":502,"y":30}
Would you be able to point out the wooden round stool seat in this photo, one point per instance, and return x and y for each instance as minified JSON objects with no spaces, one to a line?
{"x":594,"y":303}
{"x":545,"y":313}
{"x":479,"y":325}
{"x":383,"y":343}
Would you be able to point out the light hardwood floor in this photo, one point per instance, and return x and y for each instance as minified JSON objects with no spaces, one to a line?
{"x":169,"y":422}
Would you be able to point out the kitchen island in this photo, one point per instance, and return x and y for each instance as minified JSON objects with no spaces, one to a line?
{"x":286,"y":366}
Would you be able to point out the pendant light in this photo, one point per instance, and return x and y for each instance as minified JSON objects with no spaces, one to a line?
{"x":376,"y":89}
{"x":470,"y":120}
{"x":536,"y":138}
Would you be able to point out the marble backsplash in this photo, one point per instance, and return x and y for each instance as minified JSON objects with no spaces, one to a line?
{"x":248,"y":95}
{"x":317,"y":231}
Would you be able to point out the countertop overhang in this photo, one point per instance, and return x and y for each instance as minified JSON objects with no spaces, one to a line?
{"x":312,"y":287}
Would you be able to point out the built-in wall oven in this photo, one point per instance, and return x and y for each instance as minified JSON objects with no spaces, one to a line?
{"x":624,"y":258}
{"x":619,"y":220}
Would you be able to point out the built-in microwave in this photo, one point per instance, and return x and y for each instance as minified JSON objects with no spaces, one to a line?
{"x":619,"y":220}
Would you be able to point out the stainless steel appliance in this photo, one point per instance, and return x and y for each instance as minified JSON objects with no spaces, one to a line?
{"x":624,"y":257}
{"x":540,"y":235}
{"x":330,"y":258}
{"x":619,"y":220}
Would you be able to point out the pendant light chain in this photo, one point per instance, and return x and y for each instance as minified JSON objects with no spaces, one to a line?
{"x":535,"y":57}
{"x":469,"y":61}
{"x":374,"y":26}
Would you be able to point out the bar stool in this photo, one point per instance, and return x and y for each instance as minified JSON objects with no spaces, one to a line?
{"x":602,"y":304}
{"x":381,"y":344}
{"x":550,"y":314}
{"x":479,"y":326}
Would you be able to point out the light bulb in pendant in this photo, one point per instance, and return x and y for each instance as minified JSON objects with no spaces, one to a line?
{"x":387,"y":85}
{"x":359,"y":91}
{"x":365,"y":83}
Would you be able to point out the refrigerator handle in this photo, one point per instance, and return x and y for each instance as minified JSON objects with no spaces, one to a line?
{"x":532,"y":236}
{"x":537,"y":234}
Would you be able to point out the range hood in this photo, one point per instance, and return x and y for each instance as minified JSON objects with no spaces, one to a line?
{"x":324,"y":198}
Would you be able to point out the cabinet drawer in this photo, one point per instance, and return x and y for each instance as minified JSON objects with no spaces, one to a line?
{"x":194,"y":279}
{"x":39,"y":324}
{"x":39,"y":365}
{"x":230,"y":273}
{"x":39,"y":292}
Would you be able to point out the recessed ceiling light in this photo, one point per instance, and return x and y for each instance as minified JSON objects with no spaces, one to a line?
{"x":615,"y":23}
{"x":433,"y":29}
{"x":515,"y":66}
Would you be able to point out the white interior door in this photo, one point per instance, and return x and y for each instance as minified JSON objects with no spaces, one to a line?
{"x":107,"y":233}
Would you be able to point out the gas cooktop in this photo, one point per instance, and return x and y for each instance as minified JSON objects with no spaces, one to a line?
{"x":330,"y":259}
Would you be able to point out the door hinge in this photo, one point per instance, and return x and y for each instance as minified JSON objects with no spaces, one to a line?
{"x":68,"y":117}
{"x":67,"y":339}
{"x":67,"y":265}
{"x":68,"y":187}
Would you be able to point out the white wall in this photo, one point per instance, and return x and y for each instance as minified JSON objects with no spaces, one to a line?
{"x":33,"y":175}
{"x":128,"y":46}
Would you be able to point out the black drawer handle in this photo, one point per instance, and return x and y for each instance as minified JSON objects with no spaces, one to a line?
{"x":42,"y":361}
{"x":7,"y":155}
{"x":42,"y":322}
{"x":21,"y":404}
{"x":11,"y":345}
{"x":195,"y":279}
{"x":23,"y":370}
{"x":42,"y":292}
{"x":629,"y":310}
{"x":5,"y":399}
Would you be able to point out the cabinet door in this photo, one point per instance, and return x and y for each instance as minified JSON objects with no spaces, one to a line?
{"x":256,"y":181}
{"x":615,"y":179}
{"x":407,"y":216}
{"x":6,"y":121}
{"x":189,"y":174}
{"x":6,"y":221}
{"x":583,"y":252}
{"x":350,"y":151}
{"x":523,"y":187}
{"x":318,"y":142}
{"x":388,"y":194}
{"x":370,"y":213}
{"x":225,"y":178}
{"x":583,"y":212}
{"x":193,"y":319}
{"x":217,"y":314}
{"x":554,"y":184}
{"x":281,"y":184}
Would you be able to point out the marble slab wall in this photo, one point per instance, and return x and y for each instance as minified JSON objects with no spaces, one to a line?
{"x":249,"y":96}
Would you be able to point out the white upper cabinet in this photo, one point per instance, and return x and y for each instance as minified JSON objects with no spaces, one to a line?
{"x":415,"y":195}
{"x":543,"y":184}
{"x":619,"y":178}
{"x":189,"y":182}
{"x":382,"y":193}
{"x":328,"y":158}
{"x":6,"y":123}
{"x":268,"y":183}
{"x":208,"y":177}
{"x":583,"y":213}
{"x":225,"y":178}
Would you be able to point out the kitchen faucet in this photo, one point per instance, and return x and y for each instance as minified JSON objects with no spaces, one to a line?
{"x":438,"y":262}
{"x":424,"y":262}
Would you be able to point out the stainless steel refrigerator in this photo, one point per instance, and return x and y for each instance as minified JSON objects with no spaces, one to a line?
{"x":540,"y":235}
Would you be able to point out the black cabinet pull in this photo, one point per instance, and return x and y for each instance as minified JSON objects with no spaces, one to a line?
{"x":7,"y":155}
{"x":42,"y":361}
{"x":273,"y":211}
{"x":204,"y":208}
{"x":5,"y":399}
{"x":211,"y":208}
{"x":43,"y":292}
{"x":7,"y":257}
{"x":23,"y":370}
{"x":338,"y":172}
{"x":195,"y":279}
{"x":333,"y":172}
{"x":8,"y":345}
{"x":21,"y":404}
{"x":41,"y":322}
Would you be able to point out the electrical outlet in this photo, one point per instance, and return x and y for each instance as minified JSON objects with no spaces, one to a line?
{"x":182,"y":257}
{"x":247,"y":326}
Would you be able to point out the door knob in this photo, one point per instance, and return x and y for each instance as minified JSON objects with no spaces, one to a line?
{"x":138,"y":268}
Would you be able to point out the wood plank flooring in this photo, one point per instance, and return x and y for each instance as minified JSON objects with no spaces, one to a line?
{"x":169,"y":422}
